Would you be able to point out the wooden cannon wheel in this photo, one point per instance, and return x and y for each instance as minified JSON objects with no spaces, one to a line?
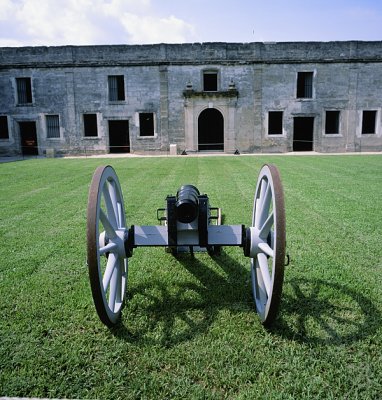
{"x":268,"y":242}
{"x":106,"y":230}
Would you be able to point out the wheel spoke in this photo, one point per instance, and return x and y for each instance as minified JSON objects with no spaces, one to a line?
{"x":259,"y":201}
{"x":257,"y":213}
{"x":263,"y":263}
{"x":110,"y":268}
{"x":113,"y":196}
{"x":107,"y":224}
{"x":110,"y":203}
{"x":259,"y":289}
{"x":107,"y":249}
{"x":119,"y":280}
{"x":264,"y":206}
{"x":265,"y":248}
{"x":265,"y":229}
{"x":113,"y":289}
{"x":121,"y":219}
{"x":264,"y":185}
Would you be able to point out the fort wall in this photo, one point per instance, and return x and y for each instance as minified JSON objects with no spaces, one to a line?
{"x":250,"y":97}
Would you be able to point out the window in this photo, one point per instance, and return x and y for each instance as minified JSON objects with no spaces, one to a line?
{"x":24,"y":90}
{"x":4,"y":133}
{"x":368,"y":122}
{"x":116,"y":88}
{"x":332,"y":122}
{"x":210,"y":81}
{"x":146,"y":124}
{"x":90,"y":125}
{"x":275,"y":123}
{"x":304,"y":85}
{"x":52,"y":126}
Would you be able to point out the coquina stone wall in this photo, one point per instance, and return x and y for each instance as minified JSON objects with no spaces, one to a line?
{"x":166,"y":84}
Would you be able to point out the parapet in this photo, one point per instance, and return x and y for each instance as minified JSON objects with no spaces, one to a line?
{"x":190,"y":53}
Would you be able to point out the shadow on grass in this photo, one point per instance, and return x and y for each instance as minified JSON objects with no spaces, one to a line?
{"x":165,"y":316}
{"x":313,"y":311}
{"x":318,"y":312}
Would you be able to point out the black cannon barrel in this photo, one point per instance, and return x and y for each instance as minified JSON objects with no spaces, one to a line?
{"x":187,"y":203}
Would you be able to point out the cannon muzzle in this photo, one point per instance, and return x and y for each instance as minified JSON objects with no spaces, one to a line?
{"x":187,"y":203}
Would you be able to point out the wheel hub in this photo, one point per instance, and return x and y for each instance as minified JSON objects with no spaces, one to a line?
{"x":254,"y":244}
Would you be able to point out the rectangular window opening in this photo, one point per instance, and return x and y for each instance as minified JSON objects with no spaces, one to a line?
{"x":210,"y":81}
{"x":24,"y":90}
{"x":116,"y":87}
{"x":304,"y":85}
{"x":4,"y":133}
{"x":332,"y":122}
{"x":90,"y":125}
{"x":275,"y":123}
{"x":146,"y":124}
{"x":368,"y":122}
{"x":52,"y":126}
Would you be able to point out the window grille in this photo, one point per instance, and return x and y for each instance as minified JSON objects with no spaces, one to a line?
{"x":116,"y":88}
{"x":24,"y":90}
{"x":52,"y":126}
{"x":305,"y":85}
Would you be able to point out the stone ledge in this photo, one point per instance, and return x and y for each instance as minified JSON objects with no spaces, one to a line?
{"x":222,"y":93}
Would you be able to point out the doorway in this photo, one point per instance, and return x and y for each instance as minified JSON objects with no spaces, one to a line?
{"x":28,"y":135}
{"x":303,"y":133}
{"x":211,"y":130}
{"x":119,"y":137}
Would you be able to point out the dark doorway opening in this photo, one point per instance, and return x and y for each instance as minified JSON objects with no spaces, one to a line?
{"x":368,"y":121}
{"x":119,"y":138}
{"x":28,"y":135}
{"x":210,"y":130}
{"x":210,"y":81}
{"x":303,"y":133}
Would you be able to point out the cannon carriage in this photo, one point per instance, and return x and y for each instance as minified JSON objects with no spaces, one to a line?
{"x":187,"y":223}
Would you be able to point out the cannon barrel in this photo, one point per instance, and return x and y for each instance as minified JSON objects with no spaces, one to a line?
{"x":187,"y":203}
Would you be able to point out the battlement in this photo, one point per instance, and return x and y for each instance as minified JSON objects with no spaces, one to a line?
{"x":191,"y":54}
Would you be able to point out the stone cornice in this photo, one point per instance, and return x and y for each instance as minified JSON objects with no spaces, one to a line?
{"x":222,"y":93}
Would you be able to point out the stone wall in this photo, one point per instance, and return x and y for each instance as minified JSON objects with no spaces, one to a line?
{"x":167,"y":81}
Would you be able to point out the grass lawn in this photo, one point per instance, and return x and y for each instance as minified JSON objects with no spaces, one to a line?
{"x":189,"y":329}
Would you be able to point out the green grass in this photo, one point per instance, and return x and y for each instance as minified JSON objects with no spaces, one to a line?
{"x":189,"y":329}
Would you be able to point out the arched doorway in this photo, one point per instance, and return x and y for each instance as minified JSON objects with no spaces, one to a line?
{"x":210,"y":130}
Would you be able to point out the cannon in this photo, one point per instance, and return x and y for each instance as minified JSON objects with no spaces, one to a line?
{"x":186,"y":223}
